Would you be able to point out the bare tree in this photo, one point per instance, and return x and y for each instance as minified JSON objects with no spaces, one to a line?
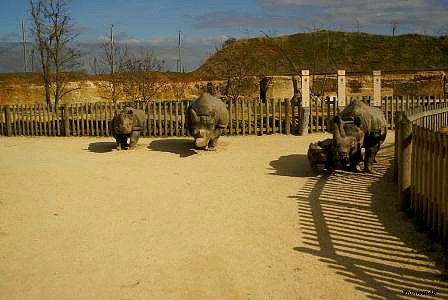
{"x":239,"y":67}
{"x":93,"y":66}
{"x":178,"y":88}
{"x":115,"y":53}
{"x":54,"y":34}
{"x":139,"y":77}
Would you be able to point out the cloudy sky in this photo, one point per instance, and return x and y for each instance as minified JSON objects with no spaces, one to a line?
{"x":205,"y":23}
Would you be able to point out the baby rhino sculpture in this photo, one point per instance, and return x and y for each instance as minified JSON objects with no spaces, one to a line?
{"x":127,"y":125}
{"x":206,"y":118}
{"x":348,"y":141}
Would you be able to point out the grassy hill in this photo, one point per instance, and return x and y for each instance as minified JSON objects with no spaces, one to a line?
{"x":327,"y":51}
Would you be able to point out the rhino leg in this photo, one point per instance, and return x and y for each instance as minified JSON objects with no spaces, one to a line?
{"x":374,"y":156}
{"x":117,"y":140}
{"x":214,"y":138}
{"x":314,"y":167}
{"x":370,"y":157}
{"x":124,"y":141}
{"x":121,"y":141}
{"x":355,"y":159}
{"x":134,"y":138}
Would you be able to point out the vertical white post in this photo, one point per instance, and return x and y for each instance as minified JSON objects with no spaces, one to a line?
{"x":377,"y":88}
{"x":306,"y":108}
{"x":305,"y":88}
{"x":342,"y":97}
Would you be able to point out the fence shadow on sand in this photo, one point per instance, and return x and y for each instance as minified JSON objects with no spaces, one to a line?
{"x":348,"y":221}
{"x":181,"y":147}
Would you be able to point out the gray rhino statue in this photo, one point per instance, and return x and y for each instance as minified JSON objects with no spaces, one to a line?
{"x":343,"y":150}
{"x":206,"y":119}
{"x":126,"y":127}
{"x":373,"y":124}
{"x":348,"y":139}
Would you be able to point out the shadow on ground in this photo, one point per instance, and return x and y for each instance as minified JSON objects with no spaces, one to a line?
{"x":295,"y":165}
{"x":349,"y":221}
{"x":182,"y":147}
{"x":102,"y":147}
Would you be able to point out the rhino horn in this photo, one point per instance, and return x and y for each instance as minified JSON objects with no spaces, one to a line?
{"x":194,"y":116}
{"x":342,"y":130}
{"x":337,"y":133}
{"x":338,"y":125}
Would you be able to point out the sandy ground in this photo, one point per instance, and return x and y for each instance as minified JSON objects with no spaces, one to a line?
{"x":79,"y":220}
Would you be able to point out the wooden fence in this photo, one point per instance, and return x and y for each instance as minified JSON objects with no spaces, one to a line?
{"x":167,"y":118}
{"x":422,"y":163}
{"x":321,"y":111}
{"x":163,"y":118}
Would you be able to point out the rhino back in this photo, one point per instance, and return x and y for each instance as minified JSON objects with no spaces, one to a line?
{"x":372,"y":118}
{"x":207,"y":105}
{"x":138,"y":119}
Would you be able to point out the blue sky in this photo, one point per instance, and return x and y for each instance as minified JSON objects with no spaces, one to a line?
{"x":146,"y":20}
{"x":143,"y":20}
{"x":208,"y":22}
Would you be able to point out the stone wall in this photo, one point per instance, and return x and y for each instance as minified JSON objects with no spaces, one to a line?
{"x":95,"y":91}
{"x":357,"y":84}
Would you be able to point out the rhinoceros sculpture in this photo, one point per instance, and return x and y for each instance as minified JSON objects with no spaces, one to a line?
{"x":348,"y":139}
{"x":373,"y":124}
{"x":206,"y":118}
{"x":126,"y":127}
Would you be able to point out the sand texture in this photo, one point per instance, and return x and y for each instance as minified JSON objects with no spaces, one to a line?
{"x":79,"y":220}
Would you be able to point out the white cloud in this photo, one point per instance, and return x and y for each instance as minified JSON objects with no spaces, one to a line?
{"x":414,"y":14}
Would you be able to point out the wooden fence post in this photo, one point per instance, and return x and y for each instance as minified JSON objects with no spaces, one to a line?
{"x":182,"y":119}
{"x":7,"y":121}
{"x":288,"y":116}
{"x":404,"y":162}
{"x":66,"y":121}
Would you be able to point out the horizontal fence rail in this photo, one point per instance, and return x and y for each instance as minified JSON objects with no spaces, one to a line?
{"x":422,"y":161}
{"x":167,"y":118}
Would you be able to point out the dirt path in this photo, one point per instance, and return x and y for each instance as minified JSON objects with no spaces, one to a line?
{"x":248,"y":221}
